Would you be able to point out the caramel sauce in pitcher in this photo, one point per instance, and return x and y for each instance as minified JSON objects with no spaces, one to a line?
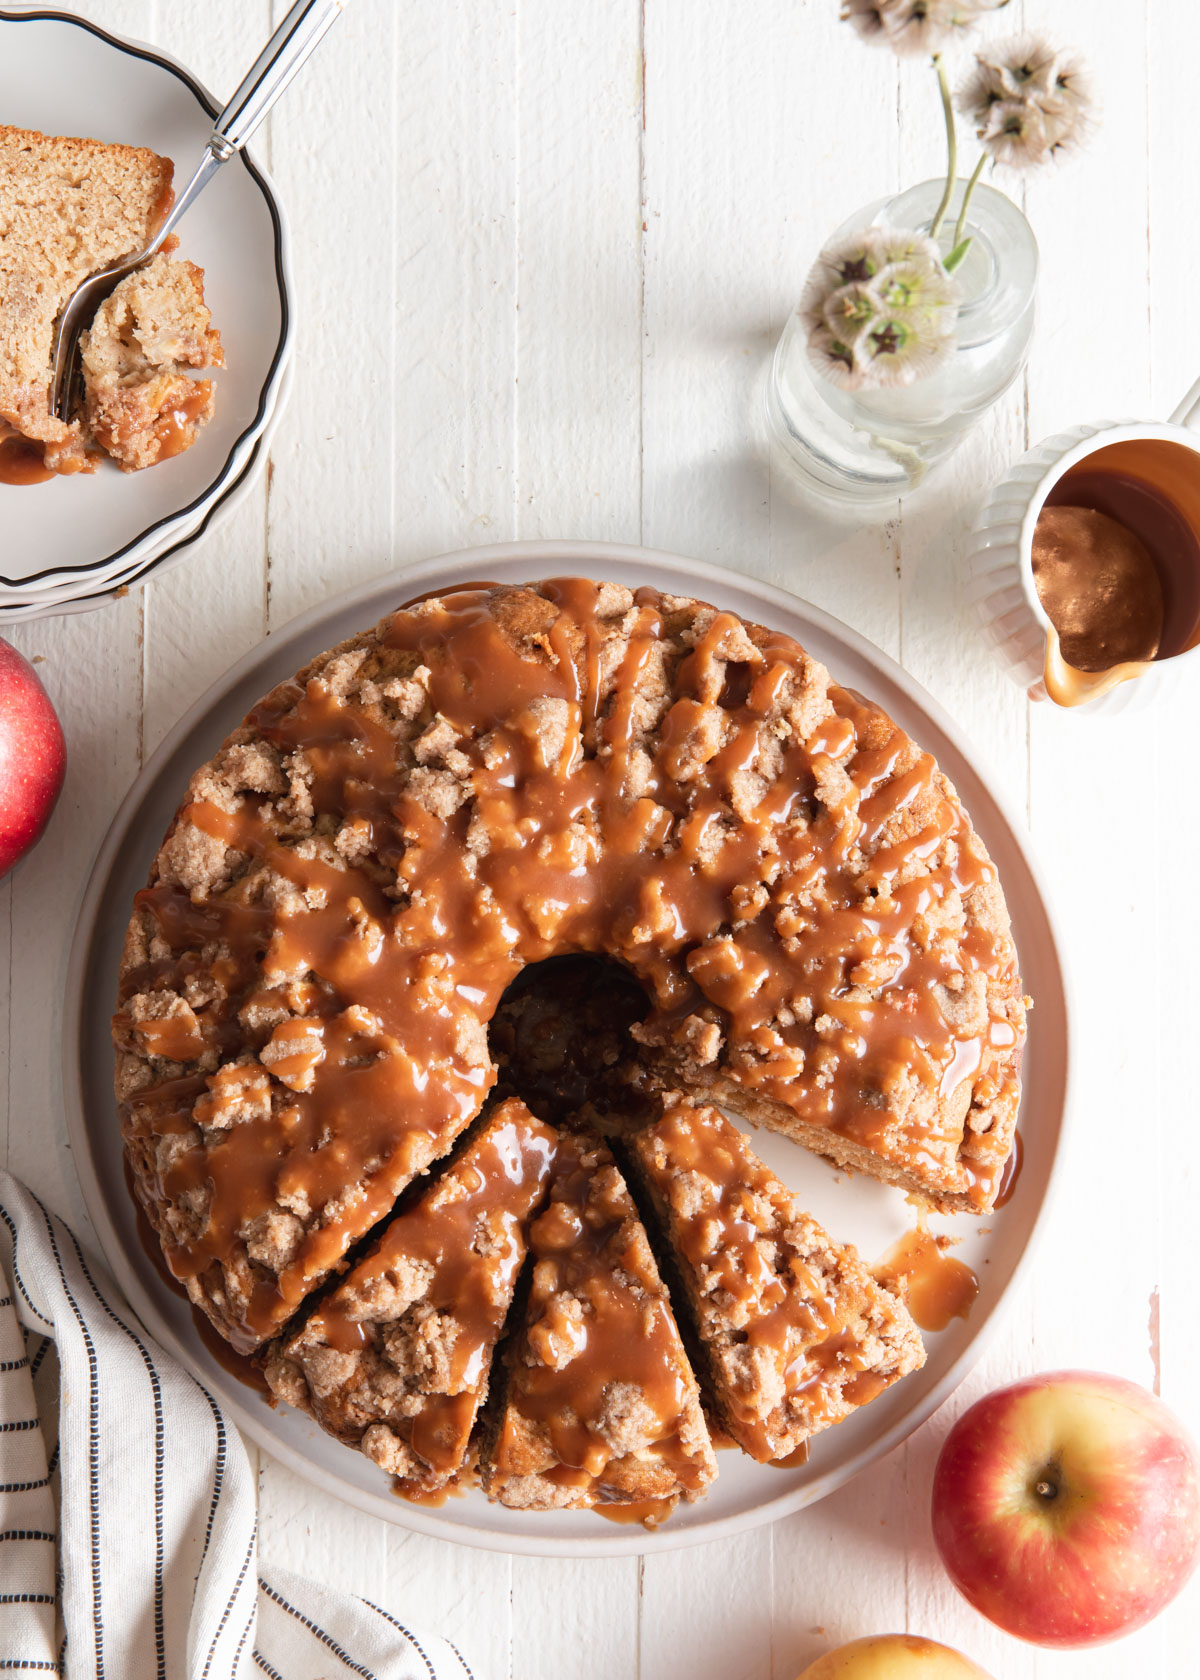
{"x":1099,"y":587}
{"x":1116,"y":565}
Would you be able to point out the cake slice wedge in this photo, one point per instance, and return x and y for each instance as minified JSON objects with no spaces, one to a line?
{"x":600,"y":1407}
{"x":70,"y":207}
{"x":794,"y":1331}
{"x":396,"y":1360}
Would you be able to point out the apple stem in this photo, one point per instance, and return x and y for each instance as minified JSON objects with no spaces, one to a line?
{"x":1046,"y":1490}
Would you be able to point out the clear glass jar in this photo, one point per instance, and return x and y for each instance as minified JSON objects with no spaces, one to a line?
{"x":858,"y":446}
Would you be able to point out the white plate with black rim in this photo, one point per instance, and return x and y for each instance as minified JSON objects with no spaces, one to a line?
{"x":64,"y":75}
{"x":175,"y":544}
{"x":999,"y":1248}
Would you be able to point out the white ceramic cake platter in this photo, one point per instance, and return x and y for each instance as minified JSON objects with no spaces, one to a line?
{"x":852,"y":1209}
{"x":63,"y":75}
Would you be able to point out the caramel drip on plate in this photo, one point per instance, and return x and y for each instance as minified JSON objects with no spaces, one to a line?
{"x":793,"y":1460}
{"x":465,"y":1238}
{"x":787,"y":881}
{"x":1011,"y":1176}
{"x":935,"y":1287}
{"x":648,"y":1512}
{"x":598,"y":1381}
{"x":21,"y":459}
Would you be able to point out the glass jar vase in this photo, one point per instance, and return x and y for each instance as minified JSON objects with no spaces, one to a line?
{"x":859,"y":446}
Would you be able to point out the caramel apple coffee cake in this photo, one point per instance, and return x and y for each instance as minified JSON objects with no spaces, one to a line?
{"x":373,"y":921}
{"x":69,"y":208}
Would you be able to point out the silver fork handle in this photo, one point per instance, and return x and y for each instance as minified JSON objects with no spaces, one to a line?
{"x":288,"y":48}
{"x":271,"y":72}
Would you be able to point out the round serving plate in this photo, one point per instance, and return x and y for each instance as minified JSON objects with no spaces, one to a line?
{"x":63,"y":75}
{"x":852,"y":1209}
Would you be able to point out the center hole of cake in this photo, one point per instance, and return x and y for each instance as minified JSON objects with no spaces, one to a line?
{"x":561,"y":1037}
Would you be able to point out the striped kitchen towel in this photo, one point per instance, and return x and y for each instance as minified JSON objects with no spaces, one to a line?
{"x":127,"y":1504}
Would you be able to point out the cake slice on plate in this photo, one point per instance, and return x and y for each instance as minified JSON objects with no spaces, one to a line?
{"x":396,"y":1360}
{"x":600,"y":1407}
{"x":794,"y":1331}
{"x":69,"y":207}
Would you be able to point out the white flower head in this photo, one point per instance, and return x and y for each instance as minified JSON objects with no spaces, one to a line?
{"x":1029,"y":102}
{"x":879,"y":309}
{"x":899,"y":350}
{"x":914,"y":26}
{"x":915,"y":285}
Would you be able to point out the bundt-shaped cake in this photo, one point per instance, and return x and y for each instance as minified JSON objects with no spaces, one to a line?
{"x":488,"y":780}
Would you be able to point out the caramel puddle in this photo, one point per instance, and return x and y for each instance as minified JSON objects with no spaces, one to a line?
{"x":934,"y":1286}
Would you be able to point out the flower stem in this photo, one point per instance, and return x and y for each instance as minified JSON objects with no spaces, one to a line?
{"x":951,"y":145}
{"x":960,"y":225}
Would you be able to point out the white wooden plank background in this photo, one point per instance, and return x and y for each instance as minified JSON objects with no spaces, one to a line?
{"x":542,"y":250}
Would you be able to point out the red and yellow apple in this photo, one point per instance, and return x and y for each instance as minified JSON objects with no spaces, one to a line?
{"x":893,"y":1656}
{"x":1066,"y":1507}
{"x":33,"y":757}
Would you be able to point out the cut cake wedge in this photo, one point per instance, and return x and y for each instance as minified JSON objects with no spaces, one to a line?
{"x":794,"y":1330}
{"x":600,"y":1407}
{"x":69,"y":208}
{"x":396,"y":1360}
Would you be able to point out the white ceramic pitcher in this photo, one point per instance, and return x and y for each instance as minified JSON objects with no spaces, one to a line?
{"x":999,"y":559}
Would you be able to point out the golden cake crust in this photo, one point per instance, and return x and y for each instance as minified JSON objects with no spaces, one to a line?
{"x":499,"y":775}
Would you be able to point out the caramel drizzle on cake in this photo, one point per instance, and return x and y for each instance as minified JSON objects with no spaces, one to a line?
{"x":498,"y":776}
{"x":600,"y":1405}
{"x":795,"y":1333}
{"x":396,"y":1360}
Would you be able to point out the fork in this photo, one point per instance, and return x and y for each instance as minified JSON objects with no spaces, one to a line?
{"x":300,"y":31}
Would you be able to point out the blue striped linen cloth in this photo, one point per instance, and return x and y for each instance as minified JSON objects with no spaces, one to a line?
{"x":127,"y":1504}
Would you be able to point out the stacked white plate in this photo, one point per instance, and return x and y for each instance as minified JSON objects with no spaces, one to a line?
{"x":73,"y":542}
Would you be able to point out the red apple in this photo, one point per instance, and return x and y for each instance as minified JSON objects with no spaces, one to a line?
{"x":33,"y":757}
{"x":1066,"y":1508}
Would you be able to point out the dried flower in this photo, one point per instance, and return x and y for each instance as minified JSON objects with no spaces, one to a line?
{"x":913,"y":26}
{"x":879,"y":309}
{"x":1029,"y":102}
